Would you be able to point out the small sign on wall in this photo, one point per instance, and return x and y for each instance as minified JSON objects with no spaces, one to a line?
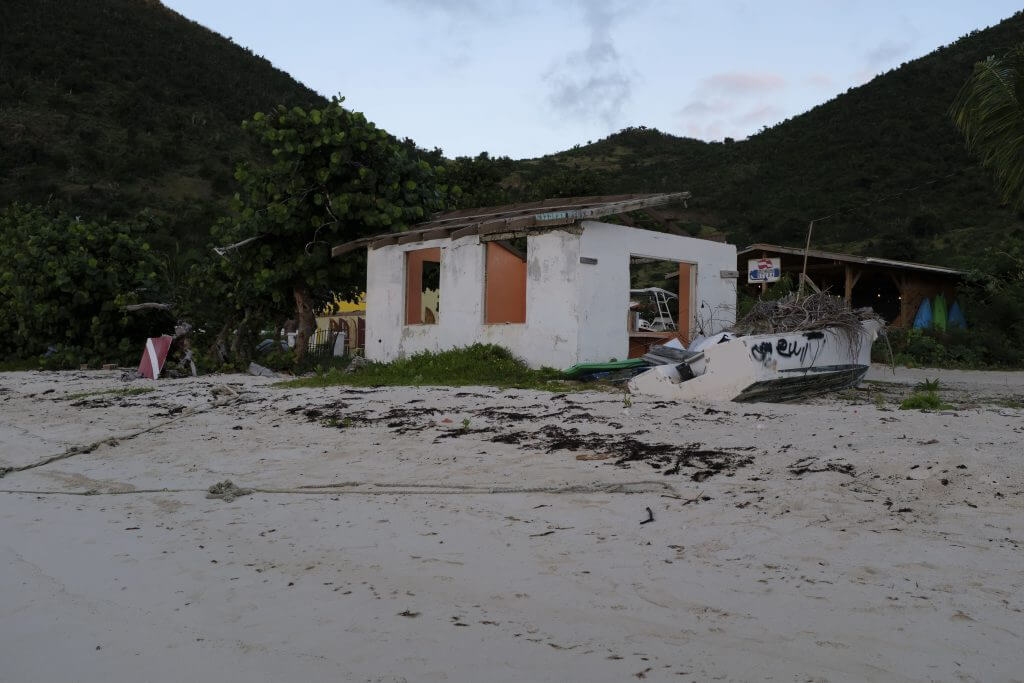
{"x":764,"y":269}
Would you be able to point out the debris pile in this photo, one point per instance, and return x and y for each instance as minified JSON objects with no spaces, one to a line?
{"x":357,"y":364}
{"x":227,"y":491}
{"x":794,"y":313}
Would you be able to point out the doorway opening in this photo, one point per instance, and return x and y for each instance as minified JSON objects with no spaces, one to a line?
{"x":661,"y":302}
{"x":877,"y":290}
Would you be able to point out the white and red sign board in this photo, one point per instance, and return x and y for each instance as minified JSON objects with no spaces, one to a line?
{"x":764,"y":269}
{"x":154,"y":356}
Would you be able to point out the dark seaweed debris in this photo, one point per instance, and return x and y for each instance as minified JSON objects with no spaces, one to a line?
{"x":808,"y":466}
{"x":670,"y":458}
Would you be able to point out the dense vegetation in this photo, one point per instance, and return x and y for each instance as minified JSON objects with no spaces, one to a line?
{"x":114,"y":108}
{"x":126,"y":117}
{"x":334,"y":177}
{"x":64,"y":282}
{"x":479,"y":364}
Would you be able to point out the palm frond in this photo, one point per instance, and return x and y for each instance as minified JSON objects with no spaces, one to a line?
{"x":989,"y":111}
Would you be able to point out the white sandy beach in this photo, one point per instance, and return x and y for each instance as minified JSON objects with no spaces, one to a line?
{"x":434,"y":534}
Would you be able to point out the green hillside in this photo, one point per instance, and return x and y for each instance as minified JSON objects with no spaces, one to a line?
{"x":114,"y":107}
{"x":866,"y":144}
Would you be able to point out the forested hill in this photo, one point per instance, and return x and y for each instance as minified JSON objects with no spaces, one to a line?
{"x":875,"y":140}
{"x":112,"y":107}
{"x":121,"y":108}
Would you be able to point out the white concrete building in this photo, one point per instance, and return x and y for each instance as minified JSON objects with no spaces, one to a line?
{"x":574,"y":281}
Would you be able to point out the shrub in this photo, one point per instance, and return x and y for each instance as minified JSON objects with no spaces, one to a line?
{"x":923,"y":400}
{"x":479,"y":364}
{"x":63,"y":283}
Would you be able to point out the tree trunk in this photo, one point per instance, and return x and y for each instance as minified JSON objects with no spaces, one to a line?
{"x":307,"y":321}
{"x":220,"y":345}
{"x":239,"y":336}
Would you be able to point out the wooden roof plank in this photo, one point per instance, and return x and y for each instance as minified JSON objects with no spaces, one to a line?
{"x":847,"y":258}
{"x":517,"y":217}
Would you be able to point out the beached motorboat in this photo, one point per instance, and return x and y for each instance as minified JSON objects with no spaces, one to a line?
{"x":765,"y":367}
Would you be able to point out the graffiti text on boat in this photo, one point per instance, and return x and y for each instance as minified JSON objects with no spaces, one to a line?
{"x":796,"y":348}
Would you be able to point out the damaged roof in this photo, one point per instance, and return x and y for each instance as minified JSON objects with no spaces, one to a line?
{"x":550,"y":213}
{"x":755,"y":250}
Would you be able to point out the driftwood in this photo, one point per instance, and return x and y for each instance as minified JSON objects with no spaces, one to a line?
{"x":222,"y":251}
{"x":147,"y":306}
{"x":794,"y":313}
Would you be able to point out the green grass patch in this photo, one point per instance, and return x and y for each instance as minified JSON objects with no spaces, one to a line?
{"x":924,"y":400}
{"x":1009,"y":403}
{"x":127,"y":391}
{"x":19,"y":365}
{"x":479,"y":364}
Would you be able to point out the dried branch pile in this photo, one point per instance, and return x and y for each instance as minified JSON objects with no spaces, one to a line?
{"x":794,"y":313}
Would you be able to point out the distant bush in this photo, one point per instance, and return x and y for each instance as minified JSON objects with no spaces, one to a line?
{"x":63,"y":283}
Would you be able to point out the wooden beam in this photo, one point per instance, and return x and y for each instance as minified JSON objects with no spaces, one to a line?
{"x":437,"y":234}
{"x":465,"y":232}
{"x":345,"y":248}
{"x":851,"y":281}
{"x":382,"y":242}
{"x":810,"y":283}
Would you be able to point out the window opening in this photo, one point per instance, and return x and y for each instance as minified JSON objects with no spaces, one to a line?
{"x":422,"y":286}
{"x":505,"y":281}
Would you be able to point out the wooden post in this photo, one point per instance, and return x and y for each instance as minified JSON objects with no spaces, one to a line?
{"x":910,"y":298}
{"x":684,"y":313}
{"x":807,"y":247}
{"x":764,"y":285}
{"x":851,"y":282}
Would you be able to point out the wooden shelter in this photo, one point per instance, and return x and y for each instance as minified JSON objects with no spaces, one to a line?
{"x":894,"y":289}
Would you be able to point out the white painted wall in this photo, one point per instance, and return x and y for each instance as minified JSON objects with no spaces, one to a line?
{"x":574,"y":312}
{"x":604,"y":287}
{"x":548,"y":337}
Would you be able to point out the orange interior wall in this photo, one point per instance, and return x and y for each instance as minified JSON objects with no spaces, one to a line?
{"x":683,"y":324}
{"x":414,"y":282}
{"x":505,"y":289}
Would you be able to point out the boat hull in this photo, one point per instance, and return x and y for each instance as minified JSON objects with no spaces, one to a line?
{"x":772,"y":368}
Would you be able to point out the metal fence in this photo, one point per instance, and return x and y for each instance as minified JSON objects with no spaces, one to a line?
{"x":321,"y":344}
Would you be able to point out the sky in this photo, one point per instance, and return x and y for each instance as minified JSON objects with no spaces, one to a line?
{"x":524,"y":78}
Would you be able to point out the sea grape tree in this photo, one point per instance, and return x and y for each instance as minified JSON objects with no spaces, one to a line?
{"x":332,"y":176}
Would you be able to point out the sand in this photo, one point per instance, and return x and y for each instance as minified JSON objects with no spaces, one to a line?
{"x":389,"y":537}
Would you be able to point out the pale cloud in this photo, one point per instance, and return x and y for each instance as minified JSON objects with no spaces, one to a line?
{"x":731,"y":103}
{"x":743,"y":82}
{"x":704,"y":107}
{"x":762,"y":115}
{"x":887,"y":53}
{"x":713,"y":130}
{"x":819,"y":80}
{"x":460,"y":20}
{"x":596,"y":81}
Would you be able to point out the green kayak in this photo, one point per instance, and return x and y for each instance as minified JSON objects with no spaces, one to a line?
{"x":584,"y":369}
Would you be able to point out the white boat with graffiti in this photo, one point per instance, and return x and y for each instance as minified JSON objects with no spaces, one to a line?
{"x":765,"y":367}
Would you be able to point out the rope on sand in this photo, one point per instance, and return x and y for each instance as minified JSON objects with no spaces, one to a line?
{"x":392,"y":489}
